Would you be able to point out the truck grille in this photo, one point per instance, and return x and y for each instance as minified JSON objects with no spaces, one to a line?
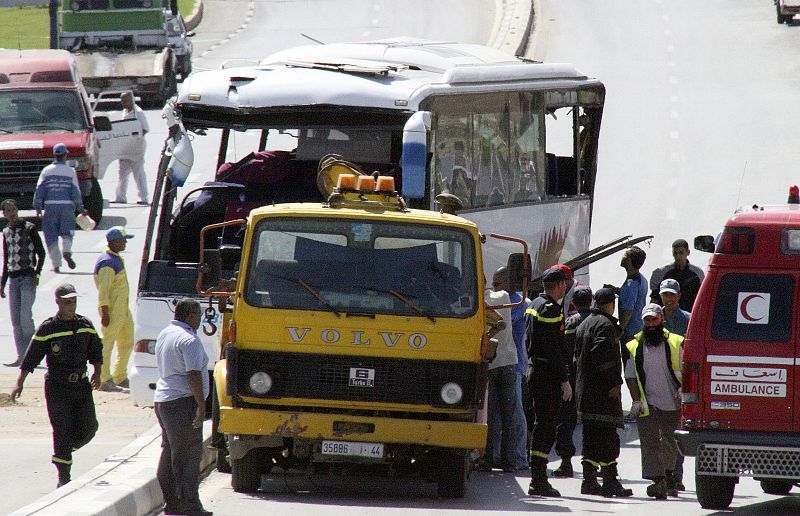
{"x":748,"y":461}
{"x":328,"y":377}
{"x":22,"y":168}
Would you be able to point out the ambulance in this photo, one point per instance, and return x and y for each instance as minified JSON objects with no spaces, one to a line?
{"x":740,"y":358}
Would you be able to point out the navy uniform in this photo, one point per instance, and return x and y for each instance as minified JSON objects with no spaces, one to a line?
{"x":567,"y":417}
{"x":67,"y":346}
{"x":544,"y":321}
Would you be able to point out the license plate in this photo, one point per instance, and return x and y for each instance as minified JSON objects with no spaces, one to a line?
{"x":352,"y":449}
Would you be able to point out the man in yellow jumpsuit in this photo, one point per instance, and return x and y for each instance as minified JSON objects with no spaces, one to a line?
{"x":115,"y":316}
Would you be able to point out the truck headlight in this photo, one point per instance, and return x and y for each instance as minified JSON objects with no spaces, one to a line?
{"x":260,"y":383}
{"x":451,"y":393}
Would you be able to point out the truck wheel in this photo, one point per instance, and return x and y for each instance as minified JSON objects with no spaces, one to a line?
{"x":452,"y":474}
{"x":714,"y":492}
{"x":217,"y":439}
{"x":94,"y":201}
{"x":776,"y":487}
{"x":246,"y":472}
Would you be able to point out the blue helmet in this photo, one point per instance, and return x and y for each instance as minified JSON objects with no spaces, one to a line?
{"x":60,"y":149}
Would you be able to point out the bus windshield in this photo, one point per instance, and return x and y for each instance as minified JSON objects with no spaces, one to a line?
{"x":348,"y":265}
{"x":32,"y":111}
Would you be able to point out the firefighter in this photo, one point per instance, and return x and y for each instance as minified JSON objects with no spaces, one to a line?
{"x":549,"y":381}
{"x":598,"y":396}
{"x":69,"y":341}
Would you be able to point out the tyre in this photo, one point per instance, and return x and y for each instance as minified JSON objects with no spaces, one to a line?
{"x":776,"y":487}
{"x":452,"y":474}
{"x":246,"y":472}
{"x":94,"y":201}
{"x":714,"y":492}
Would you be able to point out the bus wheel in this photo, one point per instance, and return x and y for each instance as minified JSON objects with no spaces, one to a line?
{"x":776,"y":487}
{"x":452,"y":474}
{"x":714,"y":492}
{"x":246,"y":472}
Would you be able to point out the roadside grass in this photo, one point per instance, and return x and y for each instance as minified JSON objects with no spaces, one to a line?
{"x":28,"y":27}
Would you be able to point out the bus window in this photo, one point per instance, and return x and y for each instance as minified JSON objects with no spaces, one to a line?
{"x":561,"y":165}
{"x":488,"y":148}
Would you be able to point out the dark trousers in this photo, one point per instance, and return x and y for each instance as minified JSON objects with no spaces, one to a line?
{"x":502,"y":408}
{"x":600,"y":444}
{"x":567,"y":419}
{"x":546,"y":395}
{"x":181,"y":450}
{"x":70,"y":407}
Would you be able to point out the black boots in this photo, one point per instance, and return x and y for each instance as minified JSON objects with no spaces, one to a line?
{"x":590,"y":485}
{"x":565,"y":469}
{"x":611,"y":484}
{"x":539,"y":485}
{"x":63,"y":473}
{"x":658,"y":489}
{"x":672,"y":484}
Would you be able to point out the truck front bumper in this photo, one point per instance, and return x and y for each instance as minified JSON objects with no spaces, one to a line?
{"x":447,"y":434}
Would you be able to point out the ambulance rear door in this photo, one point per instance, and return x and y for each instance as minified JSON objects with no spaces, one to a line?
{"x":749,"y":373}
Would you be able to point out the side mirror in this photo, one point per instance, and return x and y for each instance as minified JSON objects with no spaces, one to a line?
{"x":414,"y":160}
{"x":209,"y":283}
{"x":102,"y":123}
{"x":704,"y":243}
{"x":519,"y":270}
{"x":190,"y":34}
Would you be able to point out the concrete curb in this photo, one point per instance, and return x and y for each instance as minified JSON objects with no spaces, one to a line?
{"x":194,"y":19}
{"x":512,"y":31}
{"x":124,"y":484}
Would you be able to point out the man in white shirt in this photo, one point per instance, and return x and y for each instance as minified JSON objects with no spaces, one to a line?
{"x":133,"y":164}
{"x":180,"y":406}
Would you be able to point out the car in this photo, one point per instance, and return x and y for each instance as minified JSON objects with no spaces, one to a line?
{"x":179,"y":40}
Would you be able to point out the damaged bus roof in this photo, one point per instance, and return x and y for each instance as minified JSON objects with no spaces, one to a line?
{"x":389,"y":74}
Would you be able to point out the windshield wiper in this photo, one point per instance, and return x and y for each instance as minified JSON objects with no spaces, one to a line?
{"x":7,"y":131}
{"x":414,"y":307}
{"x":402,"y":296}
{"x":313,"y":290}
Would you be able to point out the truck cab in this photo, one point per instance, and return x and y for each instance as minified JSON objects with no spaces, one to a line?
{"x":740,"y":374}
{"x":353,"y":340}
{"x":43,"y":102}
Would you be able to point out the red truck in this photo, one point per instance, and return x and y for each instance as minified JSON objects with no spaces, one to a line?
{"x":741,"y":371}
{"x":43,"y":102}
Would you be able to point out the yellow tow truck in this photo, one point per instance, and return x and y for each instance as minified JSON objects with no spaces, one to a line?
{"x":355,"y":337}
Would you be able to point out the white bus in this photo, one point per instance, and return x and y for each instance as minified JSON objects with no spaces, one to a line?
{"x":514,"y":140}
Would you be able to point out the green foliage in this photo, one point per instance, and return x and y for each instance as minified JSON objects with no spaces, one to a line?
{"x":28,"y":27}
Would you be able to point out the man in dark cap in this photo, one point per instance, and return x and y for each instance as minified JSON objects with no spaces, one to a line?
{"x":68,"y":341}
{"x":598,"y":396}
{"x":549,"y":381}
{"x":567,"y":418}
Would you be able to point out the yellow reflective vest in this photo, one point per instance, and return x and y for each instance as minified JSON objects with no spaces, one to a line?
{"x":674,"y":343}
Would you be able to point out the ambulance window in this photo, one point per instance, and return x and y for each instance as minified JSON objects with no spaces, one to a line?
{"x":754,"y":308}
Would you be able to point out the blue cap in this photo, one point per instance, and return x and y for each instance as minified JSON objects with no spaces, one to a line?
{"x":60,"y":149}
{"x":117,"y":233}
{"x":582,"y":296}
{"x":669,"y":285}
{"x":604,"y":295}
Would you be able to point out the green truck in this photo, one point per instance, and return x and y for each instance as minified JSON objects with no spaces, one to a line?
{"x":138,"y":45}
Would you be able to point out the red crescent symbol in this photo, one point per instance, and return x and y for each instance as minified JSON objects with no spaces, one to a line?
{"x":743,"y":307}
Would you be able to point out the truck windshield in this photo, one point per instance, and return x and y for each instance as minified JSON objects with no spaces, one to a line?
{"x":362,"y":266}
{"x":29,"y":111}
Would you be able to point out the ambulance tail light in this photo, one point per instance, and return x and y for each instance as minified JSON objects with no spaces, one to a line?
{"x":737,"y":240}
{"x":690,"y":387}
